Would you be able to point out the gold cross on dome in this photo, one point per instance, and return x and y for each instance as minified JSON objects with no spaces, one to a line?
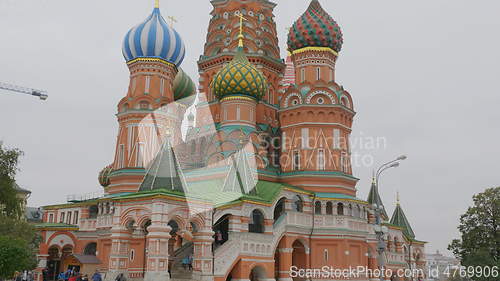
{"x":240,"y":15}
{"x":157,"y":3}
{"x":172,"y":20}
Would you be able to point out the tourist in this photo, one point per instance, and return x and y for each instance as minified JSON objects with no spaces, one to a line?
{"x":96,"y":276}
{"x":185,"y":263}
{"x":190,"y":262}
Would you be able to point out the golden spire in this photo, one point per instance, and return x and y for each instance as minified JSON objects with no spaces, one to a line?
{"x":157,"y":3}
{"x":240,"y":37}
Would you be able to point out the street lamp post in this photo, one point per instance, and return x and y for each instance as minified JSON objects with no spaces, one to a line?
{"x":381,"y":231}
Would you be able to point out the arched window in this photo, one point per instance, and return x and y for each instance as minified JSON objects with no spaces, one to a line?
{"x":144,"y":105}
{"x":355,"y":211}
{"x":93,"y":210}
{"x":279,"y":209}
{"x":329,"y":208}
{"x":194,"y":227}
{"x":298,"y":204}
{"x":90,"y":249}
{"x":256,"y":224}
{"x":317,"y":208}
{"x":340,"y":209}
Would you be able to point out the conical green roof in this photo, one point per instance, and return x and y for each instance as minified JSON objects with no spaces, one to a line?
{"x":399,"y":219}
{"x":374,"y":197}
{"x":164,"y":172}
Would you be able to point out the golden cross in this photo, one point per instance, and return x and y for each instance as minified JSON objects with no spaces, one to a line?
{"x":397,"y":197}
{"x":172,"y":20}
{"x":240,"y":15}
{"x":157,"y":3}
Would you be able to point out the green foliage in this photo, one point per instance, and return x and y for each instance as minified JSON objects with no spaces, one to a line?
{"x":14,"y":256}
{"x":480,"y":227}
{"x":10,"y":204}
{"x":18,"y":240}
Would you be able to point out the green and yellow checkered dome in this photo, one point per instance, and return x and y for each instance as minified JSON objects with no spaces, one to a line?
{"x":239,"y":78}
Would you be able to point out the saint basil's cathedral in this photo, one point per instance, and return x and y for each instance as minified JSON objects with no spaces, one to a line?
{"x":260,"y":181}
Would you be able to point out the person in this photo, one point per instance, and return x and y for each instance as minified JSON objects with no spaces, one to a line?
{"x":218,"y":237}
{"x":25,"y":276}
{"x":190,"y":262}
{"x":96,"y":276}
{"x":185,"y":262}
{"x":61,"y":276}
{"x":73,"y":277}
{"x":45,"y":273}
{"x":18,"y":276}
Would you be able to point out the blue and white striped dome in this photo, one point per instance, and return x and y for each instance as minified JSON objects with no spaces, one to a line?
{"x":154,"y":38}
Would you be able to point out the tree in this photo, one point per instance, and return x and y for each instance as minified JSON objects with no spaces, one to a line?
{"x":10,"y":203}
{"x":18,"y":239}
{"x":479,"y":227}
{"x":13,"y":256}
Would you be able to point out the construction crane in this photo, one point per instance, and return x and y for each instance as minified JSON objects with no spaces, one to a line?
{"x":23,"y":90}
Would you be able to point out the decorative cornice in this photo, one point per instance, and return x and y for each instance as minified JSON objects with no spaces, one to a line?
{"x":151,"y":60}
{"x":317,"y":49}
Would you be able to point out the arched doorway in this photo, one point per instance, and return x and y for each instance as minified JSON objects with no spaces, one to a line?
{"x":67,"y":251}
{"x":258,"y":273}
{"x":299,"y":257}
{"x":221,"y":230}
{"x":175,"y":241}
{"x":53,"y":263}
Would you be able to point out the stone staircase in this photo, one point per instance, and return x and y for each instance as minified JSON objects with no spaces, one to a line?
{"x":178,"y":273}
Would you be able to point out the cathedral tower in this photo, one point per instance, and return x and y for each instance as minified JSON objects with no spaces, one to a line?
{"x":316,"y":113}
{"x":149,"y":112}
{"x":260,"y":46}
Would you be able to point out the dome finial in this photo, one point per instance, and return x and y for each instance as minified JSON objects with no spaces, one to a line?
{"x":240,"y":36}
{"x":157,"y":4}
{"x":397,"y":198}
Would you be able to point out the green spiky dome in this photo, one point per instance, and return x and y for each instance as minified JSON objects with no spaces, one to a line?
{"x":183,"y":86}
{"x":239,"y":78}
{"x":104,"y":176}
{"x":315,"y":28}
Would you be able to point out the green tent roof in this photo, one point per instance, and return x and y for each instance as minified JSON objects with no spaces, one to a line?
{"x":374,"y":197}
{"x":399,"y":219}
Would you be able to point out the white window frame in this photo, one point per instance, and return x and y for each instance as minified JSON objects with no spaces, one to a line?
{"x":121,"y":156}
{"x":162,"y":87}
{"x":321,"y":160}
{"x":283,"y":142}
{"x":140,"y":155}
{"x":296,"y":164}
{"x":147,"y":84}
{"x":336,"y":138}
{"x":305,"y":138}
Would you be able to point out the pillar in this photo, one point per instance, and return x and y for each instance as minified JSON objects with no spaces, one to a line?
{"x":202,"y":258}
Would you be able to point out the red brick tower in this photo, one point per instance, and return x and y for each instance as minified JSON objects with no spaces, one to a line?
{"x":316,"y":113}
{"x":261,"y":48}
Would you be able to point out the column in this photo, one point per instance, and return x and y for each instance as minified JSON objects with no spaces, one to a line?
{"x":118,"y":258}
{"x":157,"y":244}
{"x":285,"y":263}
{"x":202,"y":263}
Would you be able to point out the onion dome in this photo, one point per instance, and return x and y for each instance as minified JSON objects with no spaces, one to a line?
{"x":154,"y":39}
{"x":239,"y":78}
{"x":183,"y":86}
{"x":104,"y":176}
{"x":315,"y":28}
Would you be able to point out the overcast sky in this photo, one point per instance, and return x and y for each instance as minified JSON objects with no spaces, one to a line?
{"x":423,"y":75}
